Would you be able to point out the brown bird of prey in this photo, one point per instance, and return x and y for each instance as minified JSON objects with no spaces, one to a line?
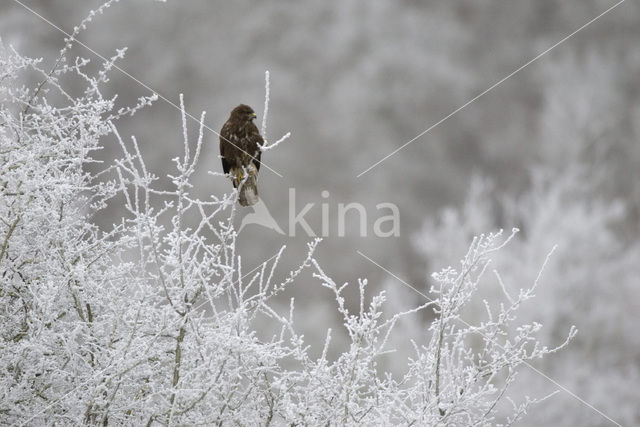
{"x":240,"y":143}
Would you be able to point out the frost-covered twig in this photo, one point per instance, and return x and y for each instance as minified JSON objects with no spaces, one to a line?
{"x":263,"y":129}
{"x":266,"y":145}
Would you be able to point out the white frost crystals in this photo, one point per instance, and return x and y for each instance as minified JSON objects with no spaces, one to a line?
{"x":154,"y":321}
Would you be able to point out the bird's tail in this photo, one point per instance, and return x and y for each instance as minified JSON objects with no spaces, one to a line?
{"x":248,"y":191}
{"x":246,"y":181}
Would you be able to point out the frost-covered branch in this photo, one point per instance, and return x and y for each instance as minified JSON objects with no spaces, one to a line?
{"x":266,"y":145}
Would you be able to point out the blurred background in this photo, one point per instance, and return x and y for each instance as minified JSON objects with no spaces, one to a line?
{"x":554,"y":150}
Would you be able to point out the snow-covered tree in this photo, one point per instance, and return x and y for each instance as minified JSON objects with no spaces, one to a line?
{"x":156,"y":321}
{"x":589,"y":282}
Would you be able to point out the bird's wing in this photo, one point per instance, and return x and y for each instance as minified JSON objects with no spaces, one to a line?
{"x":256,"y":160}
{"x":255,"y":141}
{"x":224,"y":147}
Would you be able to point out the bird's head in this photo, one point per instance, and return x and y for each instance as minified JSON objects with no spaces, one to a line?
{"x":243,"y":113}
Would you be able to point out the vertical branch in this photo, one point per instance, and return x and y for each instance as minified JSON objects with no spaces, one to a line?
{"x":181,"y":182}
{"x":438,"y":359}
{"x":263,"y":129}
{"x":5,"y":244}
{"x":176,"y":367}
{"x":178,"y":362}
{"x":266,"y":146}
{"x":184,"y":129}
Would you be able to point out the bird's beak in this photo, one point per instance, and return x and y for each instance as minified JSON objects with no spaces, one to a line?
{"x":253,"y":115}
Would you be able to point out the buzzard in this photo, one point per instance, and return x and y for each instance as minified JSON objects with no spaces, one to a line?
{"x":240,"y":143}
